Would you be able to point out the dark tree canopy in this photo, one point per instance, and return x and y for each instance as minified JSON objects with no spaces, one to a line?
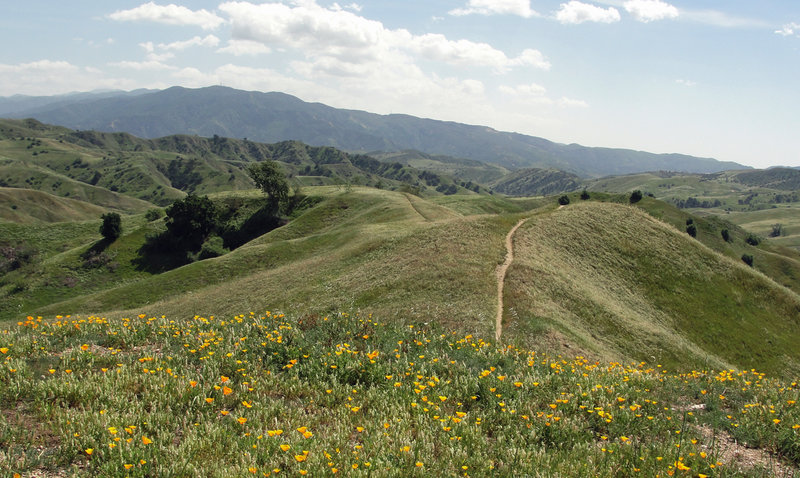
{"x":268,"y":177}
{"x":190,"y":220}
{"x":111,"y":228}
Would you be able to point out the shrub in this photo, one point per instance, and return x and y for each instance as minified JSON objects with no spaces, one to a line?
{"x":153,"y":214}
{"x":563,"y":200}
{"x":753,"y":240}
{"x":747,"y":259}
{"x":111,"y":228}
{"x":585,"y":195}
{"x":212,"y":247}
{"x":636,"y":196}
{"x":777,"y":230}
{"x":691,"y":229}
{"x":726,"y":235}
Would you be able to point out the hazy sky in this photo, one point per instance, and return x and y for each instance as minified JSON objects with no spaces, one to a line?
{"x":715,"y":78}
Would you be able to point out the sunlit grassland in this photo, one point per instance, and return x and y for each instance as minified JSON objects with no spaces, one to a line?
{"x":761,"y":222}
{"x":261,"y":394}
{"x":630,"y":293}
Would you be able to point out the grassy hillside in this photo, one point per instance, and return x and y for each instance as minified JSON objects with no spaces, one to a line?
{"x":97,"y":167}
{"x":265,"y":394}
{"x":27,"y":206}
{"x":609,"y":278}
{"x":604,"y":279}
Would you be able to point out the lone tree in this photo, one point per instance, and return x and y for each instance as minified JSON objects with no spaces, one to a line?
{"x":636,"y":196}
{"x":563,"y":200}
{"x":269,"y":178}
{"x":111,"y":228}
{"x":191,"y":220}
{"x":585,"y":195}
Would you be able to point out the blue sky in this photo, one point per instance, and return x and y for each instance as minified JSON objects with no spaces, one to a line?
{"x":713,"y":78}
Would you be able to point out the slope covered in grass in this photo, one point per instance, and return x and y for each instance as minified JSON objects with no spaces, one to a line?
{"x":603,"y":279}
{"x":263,"y":394}
{"x":610,"y":280}
{"x":27,"y":206}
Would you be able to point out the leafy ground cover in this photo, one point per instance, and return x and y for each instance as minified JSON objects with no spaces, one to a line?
{"x":266,"y":394}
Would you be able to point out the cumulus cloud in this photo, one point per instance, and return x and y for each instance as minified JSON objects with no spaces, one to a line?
{"x":208,"y":41}
{"x":789,"y":29}
{"x":47,"y":77}
{"x":534,"y":94}
{"x":245,"y":47}
{"x":576,"y":12}
{"x":338,"y":40}
{"x":520,"y":8}
{"x":149,"y":65}
{"x":650,"y":10}
{"x":169,"y":14}
{"x":565,"y":102}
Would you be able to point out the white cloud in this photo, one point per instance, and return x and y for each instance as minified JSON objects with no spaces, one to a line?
{"x":531,"y":90}
{"x":789,"y":29}
{"x":47,"y":77}
{"x":576,"y":12}
{"x":534,"y":94}
{"x":565,"y":102}
{"x":521,"y":8}
{"x":650,"y":10}
{"x":721,"y":19}
{"x":688,"y":83}
{"x":464,"y":52}
{"x":149,"y":65}
{"x":169,"y":14}
{"x":339,"y":40}
{"x":208,"y":41}
{"x":245,"y":47}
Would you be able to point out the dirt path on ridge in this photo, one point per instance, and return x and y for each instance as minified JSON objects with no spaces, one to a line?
{"x":501,"y":279}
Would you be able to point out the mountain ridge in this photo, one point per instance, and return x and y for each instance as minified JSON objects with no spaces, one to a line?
{"x":274,"y":116}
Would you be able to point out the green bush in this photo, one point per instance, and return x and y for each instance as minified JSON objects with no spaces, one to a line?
{"x":585,"y":195}
{"x":753,"y":240}
{"x":563,"y":200}
{"x":111,"y":228}
{"x":212,"y":247}
{"x":153,"y":214}
{"x":748,"y":259}
{"x":636,"y":196}
{"x":691,"y":229}
{"x":726,"y":235}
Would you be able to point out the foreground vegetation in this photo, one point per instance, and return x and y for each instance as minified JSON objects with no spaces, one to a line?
{"x":265,"y":394}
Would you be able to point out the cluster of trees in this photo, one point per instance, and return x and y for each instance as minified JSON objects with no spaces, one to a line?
{"x":197,"y":228}
{"x":693,"y":202}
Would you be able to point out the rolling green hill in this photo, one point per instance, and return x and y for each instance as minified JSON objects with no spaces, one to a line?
{"x":602,"y":279}
{"x":97,"y":167}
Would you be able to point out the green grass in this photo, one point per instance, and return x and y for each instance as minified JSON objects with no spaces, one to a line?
{"x":266,"y":394}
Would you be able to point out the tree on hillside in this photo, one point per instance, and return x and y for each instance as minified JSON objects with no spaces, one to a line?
{"x":191,"y":220}
{"x":111,"y":228}
{"x":636,"y":196}
{"x":269,"y":178}
{"x":585,"y":195}
{"x":563,"y":200}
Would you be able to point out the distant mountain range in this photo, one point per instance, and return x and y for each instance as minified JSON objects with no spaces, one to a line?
{"x":274,"y":117}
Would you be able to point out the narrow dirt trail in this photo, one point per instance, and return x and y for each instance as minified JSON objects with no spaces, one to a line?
{"x":501,"y":279}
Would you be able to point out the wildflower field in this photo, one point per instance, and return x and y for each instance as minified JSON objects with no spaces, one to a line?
{"x":263,"y":394}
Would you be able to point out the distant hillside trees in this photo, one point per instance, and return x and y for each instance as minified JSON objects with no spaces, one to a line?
{"x":692,"y":202}
{"x":111,"y":228}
